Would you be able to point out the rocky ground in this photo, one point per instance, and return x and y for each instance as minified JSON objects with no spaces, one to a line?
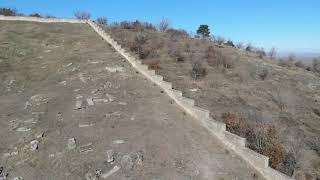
{"x":72,"y":108}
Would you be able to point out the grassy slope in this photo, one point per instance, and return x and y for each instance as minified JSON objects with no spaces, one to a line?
{"x":242,"y":90}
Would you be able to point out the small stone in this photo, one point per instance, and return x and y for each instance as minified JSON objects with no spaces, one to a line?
{"x":112,"y":171}
{"x":86,"y":148}
{"x":40,"y":135}
{"x":59,"y":116}
{"x":17,"y":178}
{"x":122,"y":103}
{"x":79,"y":104}
{"x":23,"y":129}
{"x":72,"y":143}
{"x":34,"y":145}
{"x":110,"y":157}
{"x":118,"y":141}
{"x":90,"y":101}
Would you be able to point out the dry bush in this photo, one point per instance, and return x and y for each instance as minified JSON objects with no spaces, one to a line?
{"x":230,"y":43}
{"x":220,"y":40}
{"x":153,"y":64}
{"x":176,"y":34}
{"x":261,"y":53}
{"x":300,"y":64}
{"x":35,"y":15}
{"x":198,"y":71}
{"x":262,"y":138}
{"x":234,"y":123}
{"x":240,"y":45}
{"x":137,"y":26}
{"x":102,"y":20}
{"x":215,"y":58}
{"x":175,"y":52}
{"x":285,"y":63}
{"x":264,"y":74}
{"x":164,"y":25}
{"x":143,"y":47}
{"x":8,"y":12}
{"x":272,"y":53}
{"x":82,"y":15}
{"x":316,"y":65}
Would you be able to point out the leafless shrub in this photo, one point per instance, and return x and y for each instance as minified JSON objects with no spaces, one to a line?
{"x":153,"y":64}
{"x":262,"y":138}
{"x":215,"y":58}
{"x":300,"y":64}
{"x":8,"y":12}
{"x":35,"y":15}
{"x":175,"y":52}
{"x":272,"y":53}
{"x":316,"y":65}
{"x":278,"y":99}
{"x":164,"y":25}
{"x":230,"y":43}
{"x":137,"y":26}
{"x":82,"y":15}
{"x":102,"y":20}
{"x":264,"y":74}
{"x":249,"y":47}
{"x":261,"y":53}
{"x":240,"y":45}
{"x":175,"y":34}
{"x":220,"y":40}
{"x":198,"y":71}
{"x":285,"y":63}
{"x":291,"y":57}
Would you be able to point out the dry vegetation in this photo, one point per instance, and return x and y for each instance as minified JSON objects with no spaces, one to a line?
{"x":242,"y":86}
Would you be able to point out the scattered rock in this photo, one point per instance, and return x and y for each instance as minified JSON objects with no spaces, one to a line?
{"x":79,"y":104}
{"x":122,"y":103}
{"x":90,"y":176}
{"x":3,"y":175}
{"x":59,"y":116}
{"x":112,"y":171}
{"x":64,"y":83}
{"x":23,"y":129}
{"x":110,"y":157}
{"x":67,"y":65}
{"x":40,"y":135}
{"x":34,"y":145}
{"x":114,"y":69}
{"x":86,"y":148}
{"x":90,"y":101}
{"x":118,"y":141}
{"x":17,"y":178}
{"x":72,"y":143}
{"x":132,"y":118}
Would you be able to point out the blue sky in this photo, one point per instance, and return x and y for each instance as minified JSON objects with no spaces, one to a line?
{"x":289,"y":25}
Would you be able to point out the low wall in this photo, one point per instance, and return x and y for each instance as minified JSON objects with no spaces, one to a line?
{"x":43,"y":20}
{"x":216,"y":128}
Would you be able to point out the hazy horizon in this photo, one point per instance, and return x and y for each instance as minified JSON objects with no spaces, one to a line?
{"x":289,"y":25}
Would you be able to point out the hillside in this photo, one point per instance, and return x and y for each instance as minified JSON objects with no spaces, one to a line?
{"x":73,"y":108}
{"x":275,"y":107}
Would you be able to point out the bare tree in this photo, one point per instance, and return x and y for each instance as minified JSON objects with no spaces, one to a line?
{"x":102,"y":20}
{"x":272,"y":53}
{"x":164,"y":25}
{"x":291,"y":57}
{"x":220,"y":40}
{"x":240,"y":45}
{"x":82,"y":15}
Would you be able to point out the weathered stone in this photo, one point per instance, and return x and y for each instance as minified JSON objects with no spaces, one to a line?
{"x":112,"y":171}
{"x":86,"y":148}
{"x":90,"y":101}
{"x":78,"y":104}
{"x":118,"y":141}
{"x":110,"y":157}
{"x":72,"y":143}
{"x":34,"y":145}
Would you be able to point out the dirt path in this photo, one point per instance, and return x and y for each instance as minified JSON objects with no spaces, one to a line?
{"x":72,"y":108}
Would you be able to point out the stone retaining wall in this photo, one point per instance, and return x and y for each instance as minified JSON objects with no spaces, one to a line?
{"x":216,"y":128}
